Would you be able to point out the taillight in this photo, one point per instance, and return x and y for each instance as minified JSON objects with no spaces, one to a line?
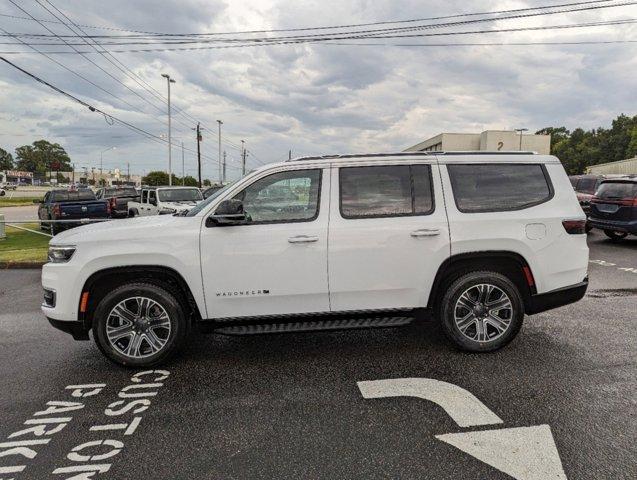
{"x":55,"y":210}
{"x":574,"y":227}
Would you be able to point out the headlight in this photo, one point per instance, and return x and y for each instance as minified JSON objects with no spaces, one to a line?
{"x":166,"y":211}
{"x":60,"y":254}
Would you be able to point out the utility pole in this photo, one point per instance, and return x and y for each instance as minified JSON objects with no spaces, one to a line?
{"x":73,"y":173}
{"x":170,"y":149}
{"x":243,"y":158}
{"x":128,"y":172}
{"x":198,"y":129}
{"x":289,"y":154}
{"x":183,"y":168}
{"x":220,"y":123}
{"x":224,"y":168}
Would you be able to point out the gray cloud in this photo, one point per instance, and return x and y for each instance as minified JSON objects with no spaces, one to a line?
{"x":312,"y":98}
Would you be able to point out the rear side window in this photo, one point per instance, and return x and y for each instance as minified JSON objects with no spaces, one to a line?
{"x":78,"y":196}
{"x":617,"y":190}
{"x":385,"y":191}
{"x":498,"y":187}
{"x":587,"y":185}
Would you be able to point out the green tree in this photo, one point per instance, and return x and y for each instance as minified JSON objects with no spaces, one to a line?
{"x":206,"y":183}
{"x":42,"y":156}
{"x":189,"y":181}
{"x":632,"y":145}
{"x":158,"y":179}
{"x":6,"y":160}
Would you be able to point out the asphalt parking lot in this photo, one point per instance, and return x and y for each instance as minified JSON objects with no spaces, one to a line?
{"x":558,"y":402}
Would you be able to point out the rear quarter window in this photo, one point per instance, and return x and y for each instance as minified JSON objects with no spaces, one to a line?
{"x":499,"y":187}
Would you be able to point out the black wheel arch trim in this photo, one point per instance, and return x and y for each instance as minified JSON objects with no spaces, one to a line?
{"x":455,"y":263}
{"x":143,"y":270}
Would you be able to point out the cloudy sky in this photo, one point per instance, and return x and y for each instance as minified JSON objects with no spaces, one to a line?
{"x":310,"y":98}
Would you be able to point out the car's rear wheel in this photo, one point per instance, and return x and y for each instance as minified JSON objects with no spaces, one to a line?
{"x":482,"y":311}
{"x":139,"y":325}
{"x":614,"y":235}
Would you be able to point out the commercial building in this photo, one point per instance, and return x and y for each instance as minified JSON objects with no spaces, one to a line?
{"x":628,"y":166}
{"x":489,"y":140}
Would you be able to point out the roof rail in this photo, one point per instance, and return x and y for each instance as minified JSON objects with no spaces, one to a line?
{"x":409,"y":154}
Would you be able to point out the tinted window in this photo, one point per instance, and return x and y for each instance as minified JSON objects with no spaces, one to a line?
{"x":498,"y":187}
{"x":79,"y":196}
{"x":120,"y":192}
{"x":283,"y":197}
{"x":617,"y":190}
{"x":180,"y":195}
{"x":385,"y":191}
{"x":587,"y":185}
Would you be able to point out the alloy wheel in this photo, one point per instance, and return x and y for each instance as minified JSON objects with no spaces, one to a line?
{"x":483,"y":313}
{"x":138,"y":327}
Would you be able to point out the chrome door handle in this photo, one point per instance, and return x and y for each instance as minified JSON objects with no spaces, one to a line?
{"x":426,"y":232}
{"x":302,"y":239}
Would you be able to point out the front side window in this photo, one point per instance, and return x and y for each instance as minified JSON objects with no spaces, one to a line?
{"x":180,"y":195}
{"x":385,"y":191}
{"x":498,"y":187}
{"x":283,"y":197}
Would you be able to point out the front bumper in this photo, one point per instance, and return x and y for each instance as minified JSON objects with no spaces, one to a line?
{"x":77,"y":329}
{"x":628,"y":226}
{"x":556,"y":298}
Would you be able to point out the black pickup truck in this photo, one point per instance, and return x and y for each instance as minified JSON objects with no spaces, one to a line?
{"x":80,"y":205}
{"x":118,"y":198}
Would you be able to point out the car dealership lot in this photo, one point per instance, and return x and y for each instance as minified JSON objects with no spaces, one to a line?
{"x":289,"y":406}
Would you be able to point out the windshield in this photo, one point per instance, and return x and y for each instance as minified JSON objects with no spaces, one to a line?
{"x":180,"y":195}
{"x":195,"y":210}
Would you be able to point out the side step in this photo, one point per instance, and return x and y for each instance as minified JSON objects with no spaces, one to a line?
{"x":310,"y":326}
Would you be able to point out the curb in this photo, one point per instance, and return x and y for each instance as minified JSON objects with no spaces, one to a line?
{"x":20,"y":265}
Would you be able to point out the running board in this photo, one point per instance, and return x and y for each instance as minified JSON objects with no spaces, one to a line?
{"x":317,"y":325}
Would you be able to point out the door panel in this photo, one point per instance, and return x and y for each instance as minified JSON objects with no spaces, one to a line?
{"x":278,"y":263}
{"x":385,"y":261}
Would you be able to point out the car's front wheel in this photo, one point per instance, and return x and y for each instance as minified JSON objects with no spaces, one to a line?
{"x":614,"y":235}
{"x":139,"y":325}
{"x":482,"y":311}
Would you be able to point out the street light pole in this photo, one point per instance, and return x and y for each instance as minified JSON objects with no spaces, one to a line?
{"x":520,"y":130}
{"x":183,"y":167}
{"x":102,"y":160}
{"x":220,"y":123}
{"x":170,"y":149}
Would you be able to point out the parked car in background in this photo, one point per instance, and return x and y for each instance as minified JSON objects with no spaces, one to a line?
{"x":118,"y":198}
{"x":585,"y":187}
{"x":79,"y":205}
{"x":210,"y":190}
{"x":334,"y":242}
{"x":614,"y":208}
{"x":164,"y":201}
{"x":9,"y":186}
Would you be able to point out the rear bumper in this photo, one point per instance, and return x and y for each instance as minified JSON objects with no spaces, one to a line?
{"x":556,"y":298}
{"x":629,"y":226}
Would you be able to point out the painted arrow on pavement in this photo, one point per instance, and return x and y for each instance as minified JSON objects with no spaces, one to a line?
{"x":525,"y":453}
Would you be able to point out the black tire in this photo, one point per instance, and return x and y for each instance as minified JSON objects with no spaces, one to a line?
{"x":179,"y":326}
{"x":615,"y":236}
{"x":2,"y":193}
{"x":588,"y":227}
{"x":457,"y":288}
{"x":132,"y":213}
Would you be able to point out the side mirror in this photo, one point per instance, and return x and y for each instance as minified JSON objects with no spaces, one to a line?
{"x":228,"y":212}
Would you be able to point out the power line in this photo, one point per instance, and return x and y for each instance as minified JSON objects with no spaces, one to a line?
{"x":333,"y":27}
{"x":110,"y":118}
{"x":421,"y":35}
{"x":376,"y":33}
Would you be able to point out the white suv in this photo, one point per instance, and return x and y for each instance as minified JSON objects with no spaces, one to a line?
{"x":331,"y":243}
